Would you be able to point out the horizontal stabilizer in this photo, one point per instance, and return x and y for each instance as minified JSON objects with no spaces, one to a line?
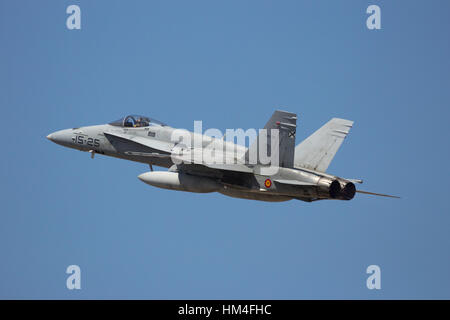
{"x":355,"y":180}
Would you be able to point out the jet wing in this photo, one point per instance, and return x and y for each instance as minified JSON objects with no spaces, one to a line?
{"x":230,"y":167}
{"x":187,"y":157}
{"x":193,"y":158}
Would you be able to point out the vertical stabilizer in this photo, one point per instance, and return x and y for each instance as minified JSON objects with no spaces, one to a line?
{"x":286,"y":124}
{"x":318,"y":150}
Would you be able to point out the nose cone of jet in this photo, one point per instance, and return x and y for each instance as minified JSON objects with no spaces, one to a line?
{"x":62,"y":137}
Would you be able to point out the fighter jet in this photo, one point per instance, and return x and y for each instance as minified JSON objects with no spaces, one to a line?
{"x":299,"y":172}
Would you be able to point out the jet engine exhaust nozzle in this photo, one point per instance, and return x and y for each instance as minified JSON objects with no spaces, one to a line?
{"x":328,"y":188}
{"x":335,"y":189}
{"x":349,"y":190}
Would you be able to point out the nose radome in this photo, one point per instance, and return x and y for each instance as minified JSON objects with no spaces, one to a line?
{"x":62,"y":137}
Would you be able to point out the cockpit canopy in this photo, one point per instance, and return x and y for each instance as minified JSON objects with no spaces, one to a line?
{"x":136,"y":121}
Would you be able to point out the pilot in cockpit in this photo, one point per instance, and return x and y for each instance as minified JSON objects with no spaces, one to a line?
{"x":141,"y":122}
{"x":138,"y":123}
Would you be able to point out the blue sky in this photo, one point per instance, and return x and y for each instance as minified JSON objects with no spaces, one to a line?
{"x":229,"y":64}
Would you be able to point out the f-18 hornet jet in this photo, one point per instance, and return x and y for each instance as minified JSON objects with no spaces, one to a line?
{"x":272,"y":168}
